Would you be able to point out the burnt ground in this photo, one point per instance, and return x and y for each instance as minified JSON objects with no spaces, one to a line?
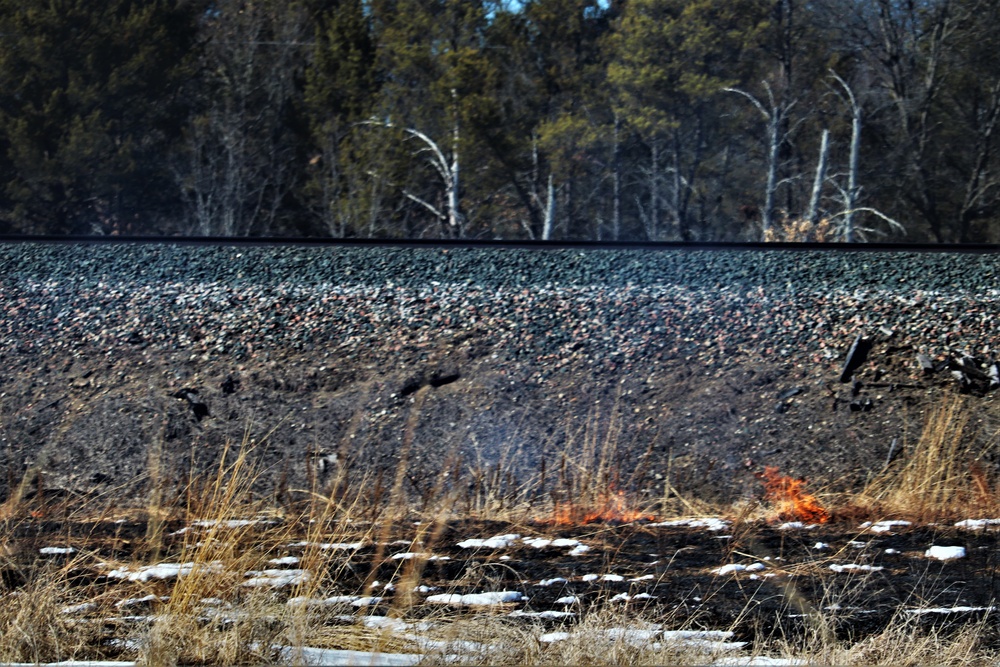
{"x":88,"y":424}
{"x":668,"y":572}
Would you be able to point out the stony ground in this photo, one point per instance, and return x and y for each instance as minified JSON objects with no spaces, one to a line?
{"x":125,"y":363}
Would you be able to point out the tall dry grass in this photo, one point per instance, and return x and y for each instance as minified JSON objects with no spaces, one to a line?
{"x":944,"y":475}
{"x":211,"y":617}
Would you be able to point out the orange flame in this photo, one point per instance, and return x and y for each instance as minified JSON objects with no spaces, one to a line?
{"x":611,"y":508}
{"x":792,"y":501}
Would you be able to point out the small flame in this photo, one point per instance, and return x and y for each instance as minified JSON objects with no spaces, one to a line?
{"x":792,"y":501}
{"x":612,"y":507}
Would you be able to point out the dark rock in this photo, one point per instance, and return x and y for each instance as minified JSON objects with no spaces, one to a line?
{"x":864,"y":405}
{"x":788,"y":393}
{"x":230,"y":385}
{"x":926,"y":365}
{"x":200,"y":409}
{"x":856,"y":356}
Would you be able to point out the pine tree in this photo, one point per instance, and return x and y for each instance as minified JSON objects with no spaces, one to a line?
{"x":91,"y":99}
{"x":340,"y":92}
{"x":673,"y":58}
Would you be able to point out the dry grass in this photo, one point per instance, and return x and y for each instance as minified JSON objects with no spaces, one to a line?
{"x":943,"y":476}
{"x":211,"y":617}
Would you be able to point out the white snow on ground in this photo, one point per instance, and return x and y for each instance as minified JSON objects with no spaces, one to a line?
{"x":625,"y":597}
{"x":162,"y":571}
{"x":276,"y":578}
{"x":56,"y":551}
{"x":729,"y":569}
{"x":284,"y":560}
{"x":945,"y":553}
{"x":304,"y":601}
{"x":81,"y":608}
{"x":476,"y":599}
{"x":710,"y":523}
{"x":553,"y":581}
{"x":977,"y":524}
{"x":756,"y":661}
{"x":329,"y":546}
{"x":819,"y":546}
{"x":613,"y":577}
{"x":517,"y":613}
{"x":72,"y":663}
{"x":328,"y":657}
{"x":848,"y":567}
{"x":798,"y":525}
{"x":495,"y":542}
{"x":653,"y":637}
{"x":884,"y":526}
{"x":948,"y":610}
{"x":542,"y":542}
{"x":135,"y":602}
{"x":567,"y":600}
{"x":579,"y":550}
{"x":410,"y":555}
{"x":590,"y":577}
{"x":229,"y":523}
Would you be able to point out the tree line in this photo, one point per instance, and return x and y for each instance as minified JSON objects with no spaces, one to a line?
{"x":691,"y":120}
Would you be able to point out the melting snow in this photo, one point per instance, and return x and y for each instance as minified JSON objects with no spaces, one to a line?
{"x":328,"y":657}
{"x":551,"y":582}
{"x":949,"y":610}
{"x":330,"y":546}
{"x":854,"y":566}
{"x":135,"y":602}
{"x":625,"y":597}
{"x":162,"y":571}
{"x":517,"y":613}
{"x":303,"y":601}
{"x":884,"y":526}
{"x":276,"y":578}
{"x":410,"y":555}
{"x":476,"y":599}
{"x":613,"y":577}
{"x":56,"y":551}
{"x":977,"y":524}
{"x":495,"y":542}
{"x":569,"y":599}
{"x":727,"y":569}
{"x":819,"y":546}
{"x":945,"y":553}
{"x":81,"y":608}
{"x":579,"y":550}
{"x":230,"y":523}
{"x":285,"y":560}
{"x":798,"y":525}
{"x":710,"y":523}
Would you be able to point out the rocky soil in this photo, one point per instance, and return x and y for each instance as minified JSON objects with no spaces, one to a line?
{"x":125,"y":362}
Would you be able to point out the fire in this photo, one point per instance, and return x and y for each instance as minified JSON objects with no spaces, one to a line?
{"x":792,"y":501}
{"x":611,"y":507}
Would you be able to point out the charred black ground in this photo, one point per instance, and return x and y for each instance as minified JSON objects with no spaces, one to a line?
{"x":701,"y":366}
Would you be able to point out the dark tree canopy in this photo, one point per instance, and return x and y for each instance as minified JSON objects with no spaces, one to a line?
{"x":539,"y":119}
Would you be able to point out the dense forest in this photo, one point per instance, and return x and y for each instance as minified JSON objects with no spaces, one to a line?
{"x":691,"y":120}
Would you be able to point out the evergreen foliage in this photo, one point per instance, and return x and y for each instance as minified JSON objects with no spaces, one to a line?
{"x":539,"y":119}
